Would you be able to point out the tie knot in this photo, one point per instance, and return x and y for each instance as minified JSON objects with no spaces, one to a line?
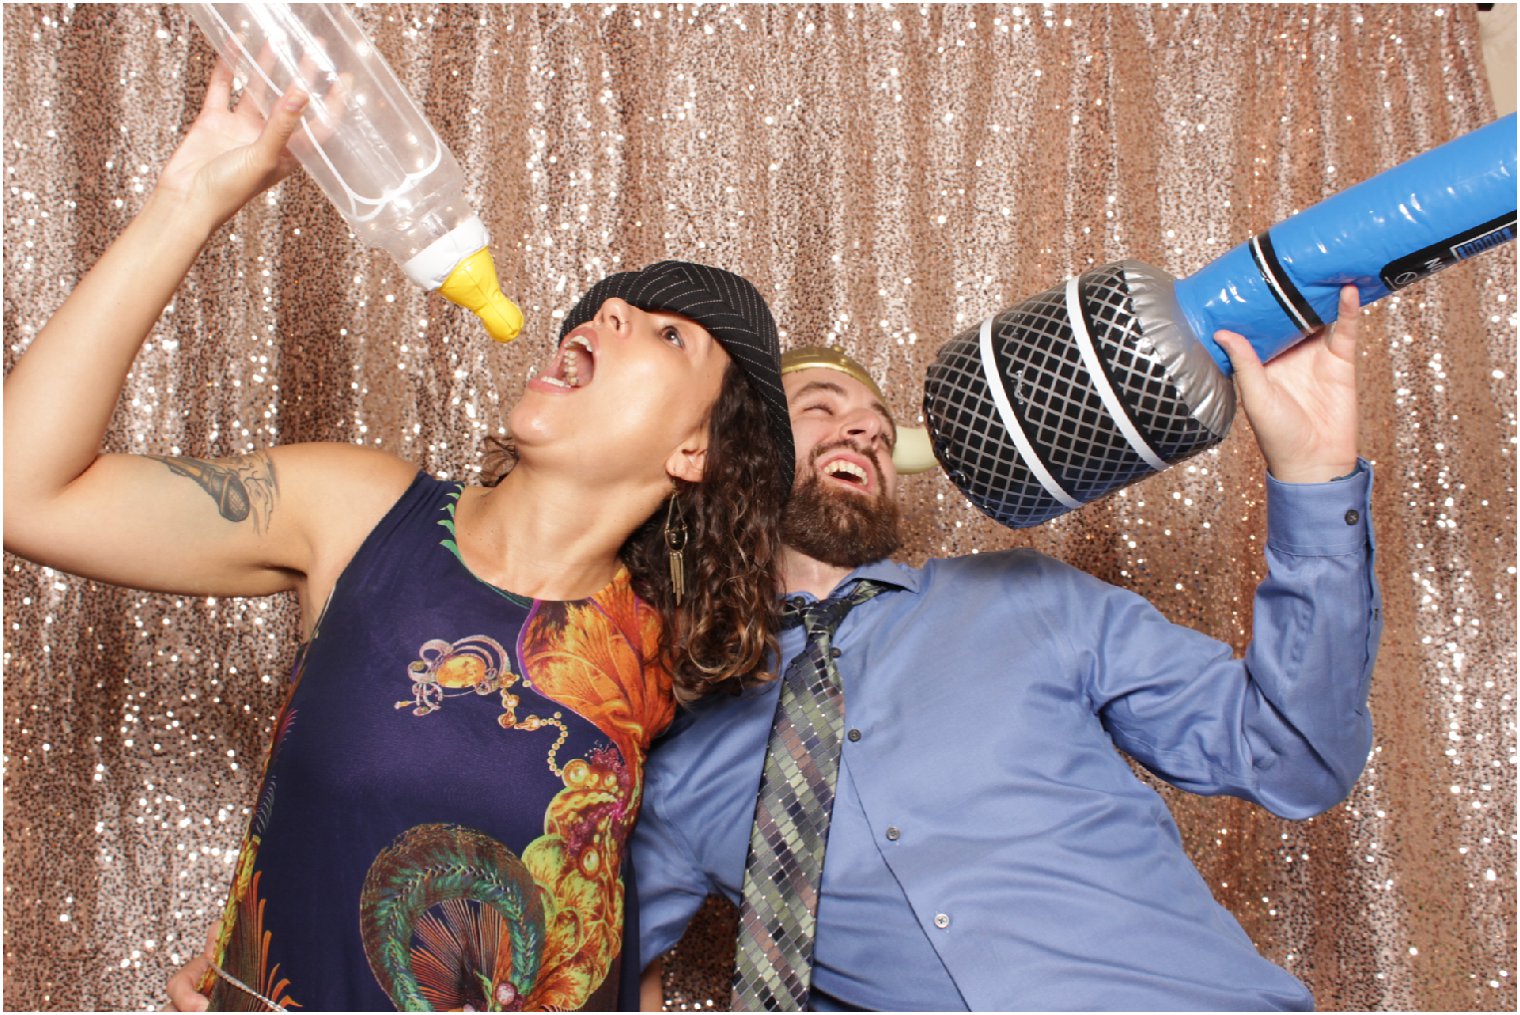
{"x":824,"y":616}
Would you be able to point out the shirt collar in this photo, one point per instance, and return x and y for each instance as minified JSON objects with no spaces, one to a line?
{"x":888,"y":572}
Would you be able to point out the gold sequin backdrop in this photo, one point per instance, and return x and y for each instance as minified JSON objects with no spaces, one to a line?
{"x":888,"y":175}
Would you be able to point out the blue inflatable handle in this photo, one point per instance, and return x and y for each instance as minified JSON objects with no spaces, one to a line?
{"x":1400,"y":226}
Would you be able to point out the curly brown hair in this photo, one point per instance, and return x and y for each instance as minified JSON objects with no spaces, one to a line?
{"x":718,"y":638}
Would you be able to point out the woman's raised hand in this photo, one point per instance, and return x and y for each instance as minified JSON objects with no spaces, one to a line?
{"x":231,"y":153}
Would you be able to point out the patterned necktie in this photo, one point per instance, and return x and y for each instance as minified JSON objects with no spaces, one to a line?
{"x":774,"y":963}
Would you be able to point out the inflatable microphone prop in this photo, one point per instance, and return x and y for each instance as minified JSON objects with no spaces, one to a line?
{"x":1115,"y":375}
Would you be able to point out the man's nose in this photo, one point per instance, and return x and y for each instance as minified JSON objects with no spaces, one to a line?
{"x":862,"y":424}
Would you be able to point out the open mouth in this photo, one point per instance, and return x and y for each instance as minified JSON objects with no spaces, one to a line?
{"x":848,"y":473}
{"x":574,"y":366}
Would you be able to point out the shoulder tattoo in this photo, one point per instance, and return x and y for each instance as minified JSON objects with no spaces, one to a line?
{"x":244,"y":488}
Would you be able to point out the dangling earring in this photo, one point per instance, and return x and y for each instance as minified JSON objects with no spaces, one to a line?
{"x":675,"y":543}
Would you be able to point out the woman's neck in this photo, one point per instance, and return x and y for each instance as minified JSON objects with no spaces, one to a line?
{"x":547,"y":536}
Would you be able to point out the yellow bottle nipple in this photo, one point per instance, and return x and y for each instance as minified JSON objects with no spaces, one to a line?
{"x":473,"y":285}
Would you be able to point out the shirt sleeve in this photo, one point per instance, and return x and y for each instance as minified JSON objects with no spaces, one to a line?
{"x":668,"y":878}
{"x":1286,"y":726}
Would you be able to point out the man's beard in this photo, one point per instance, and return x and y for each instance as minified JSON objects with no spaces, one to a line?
{"x":837,"y":527}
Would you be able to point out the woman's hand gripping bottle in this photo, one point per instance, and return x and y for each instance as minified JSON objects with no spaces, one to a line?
{"x":368,"y":146}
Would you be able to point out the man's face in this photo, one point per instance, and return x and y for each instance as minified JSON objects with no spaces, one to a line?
{"x":843,"y":509}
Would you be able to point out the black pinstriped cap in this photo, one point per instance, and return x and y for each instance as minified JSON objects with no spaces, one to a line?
{"x":729,"y":307}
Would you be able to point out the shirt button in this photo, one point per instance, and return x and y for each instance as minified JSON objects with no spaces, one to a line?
{"x":799,"y":602}
{"x":893,"y":834}
{"x":854,"y":735}
{"x":941,"y":920}
{"x":836,"y":652}
{"x":1353,"y":516}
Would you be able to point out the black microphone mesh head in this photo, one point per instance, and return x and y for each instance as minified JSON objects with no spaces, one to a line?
{"x":1078,"y":446}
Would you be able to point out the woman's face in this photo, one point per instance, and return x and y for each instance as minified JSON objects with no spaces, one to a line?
{"x":626,"y":396}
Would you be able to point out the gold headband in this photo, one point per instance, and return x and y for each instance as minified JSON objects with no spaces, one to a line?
{"x":913,"y":452}
{"x":811,"y":356}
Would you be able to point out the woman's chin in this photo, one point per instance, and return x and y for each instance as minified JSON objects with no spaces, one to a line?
{"x":543,"y":442}
{"x":533,"y":421}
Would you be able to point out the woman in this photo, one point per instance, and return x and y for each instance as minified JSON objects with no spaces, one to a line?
{"x":458,"y":763}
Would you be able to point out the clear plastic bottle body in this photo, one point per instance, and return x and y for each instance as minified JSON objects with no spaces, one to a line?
{"x":362,"y":139}
{"x":367,"y":145}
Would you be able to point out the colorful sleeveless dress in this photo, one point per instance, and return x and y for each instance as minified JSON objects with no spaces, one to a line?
{"x":449,"y":792}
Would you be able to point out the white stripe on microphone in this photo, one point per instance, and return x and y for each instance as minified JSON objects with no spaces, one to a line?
{"x":1284,"y":300}
{"x":1011,"y":422}
{"x":1100,"y":380}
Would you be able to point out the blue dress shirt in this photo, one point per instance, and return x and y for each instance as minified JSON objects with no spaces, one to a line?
{"x":990,"y":849}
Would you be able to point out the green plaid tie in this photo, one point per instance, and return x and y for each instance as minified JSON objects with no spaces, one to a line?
{"x":774,"y":962}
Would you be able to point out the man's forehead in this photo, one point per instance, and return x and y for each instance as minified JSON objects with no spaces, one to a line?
{"x":825,"y":379}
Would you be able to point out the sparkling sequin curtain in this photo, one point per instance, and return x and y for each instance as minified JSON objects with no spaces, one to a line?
{"x":888,"y":175}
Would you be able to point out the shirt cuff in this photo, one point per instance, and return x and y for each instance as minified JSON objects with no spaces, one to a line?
{"x":1321,"y":519}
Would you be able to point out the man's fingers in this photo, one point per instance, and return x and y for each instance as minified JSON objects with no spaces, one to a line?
{"x":1344,"y":333}
{"x":182,"y":992}
{"x":1249,"y":372}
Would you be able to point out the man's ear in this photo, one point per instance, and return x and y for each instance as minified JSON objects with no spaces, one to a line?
{"x":689,"y":461}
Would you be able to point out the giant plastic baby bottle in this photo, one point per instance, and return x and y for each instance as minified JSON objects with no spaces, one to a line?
{"x":367,"y":145}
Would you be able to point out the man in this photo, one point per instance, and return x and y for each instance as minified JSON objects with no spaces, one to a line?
{"x":989,"y":849}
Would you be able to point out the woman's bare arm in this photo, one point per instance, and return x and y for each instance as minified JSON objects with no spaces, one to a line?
{"x":232,"y":526}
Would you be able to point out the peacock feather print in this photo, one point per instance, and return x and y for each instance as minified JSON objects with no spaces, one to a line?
{"x":451,"y":917}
